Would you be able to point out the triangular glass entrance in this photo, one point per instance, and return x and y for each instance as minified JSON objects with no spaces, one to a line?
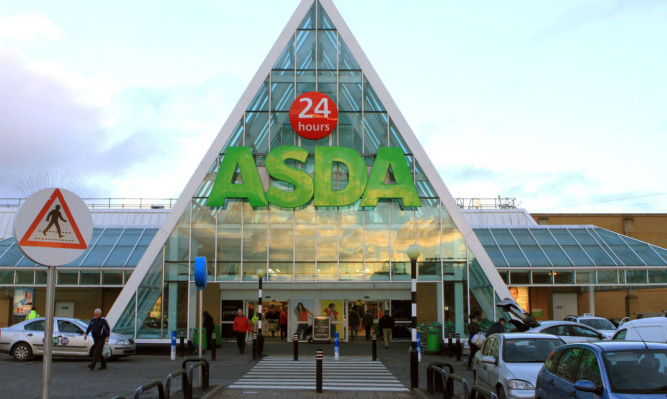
{"x":349,"y":245}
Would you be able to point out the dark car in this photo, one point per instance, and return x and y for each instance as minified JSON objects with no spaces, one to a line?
{"x":605,"y":369}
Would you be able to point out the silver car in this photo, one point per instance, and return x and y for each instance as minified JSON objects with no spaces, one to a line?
{"x":26,"y":339}
{"x":598,"y":323}
{"x":508,"y":363}
{"x":568,"y":331}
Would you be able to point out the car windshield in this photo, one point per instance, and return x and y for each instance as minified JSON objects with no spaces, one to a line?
{"x":529,"y":350}
{"x":637,"y":371}
{"x":598,"y":324}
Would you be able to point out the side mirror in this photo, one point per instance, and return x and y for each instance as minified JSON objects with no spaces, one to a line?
{"x":489,"y":359}
{"x":586,"y":386}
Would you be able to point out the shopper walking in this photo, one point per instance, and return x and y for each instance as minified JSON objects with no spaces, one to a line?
{"x":367,"y":323}
{"x":241,"y":327}
{"x":497,"y":327}
{"x":386,"y":324}
{"x":282,"y":322}
{"x":473,"y":328}
{"x":100,"y":330}
{"x":354,"y":321}
{"x":209,"y":325}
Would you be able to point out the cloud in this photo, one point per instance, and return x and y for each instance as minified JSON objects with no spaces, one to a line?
{"x":29,"y":28}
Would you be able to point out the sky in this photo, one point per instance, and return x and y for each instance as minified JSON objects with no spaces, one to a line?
{"x":559,"y":104}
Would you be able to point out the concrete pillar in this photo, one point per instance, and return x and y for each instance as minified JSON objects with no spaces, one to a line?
{"x":591,"y":299}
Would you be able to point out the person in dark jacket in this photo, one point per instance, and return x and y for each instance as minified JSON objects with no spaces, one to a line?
{"x":386,"y":324}
{"x":367,"y":322}
{"x":354,"y":320}
{"x":497,"y":327}
{"x":473,"y":328}
{"x":209,"y":325}
{"x":100,"y":330}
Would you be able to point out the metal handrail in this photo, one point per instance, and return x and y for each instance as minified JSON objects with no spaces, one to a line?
{"x":200,"y":362}
{"x":107,"y":203}
{"x":435,"y":385}
{"x":455,"y":378}
{"x":483,"y":392}
{"x":156,"y":383}
{"x":185,"y":382}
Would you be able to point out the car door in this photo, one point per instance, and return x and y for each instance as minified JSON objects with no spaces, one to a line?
{"x":561,"y":330}
{"x":34,"y":334}
{"x":584,"y":334}
{"x":478,"y":364}
{"x":489,"y":370}
{"x":71,"y":340}
{"x":561,"y":382}
{"x":588,"y":369}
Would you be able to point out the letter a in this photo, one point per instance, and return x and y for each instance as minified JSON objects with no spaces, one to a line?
{"x":405,"y":186}
{"x":357,"y":175}
{"x":224,"y":187}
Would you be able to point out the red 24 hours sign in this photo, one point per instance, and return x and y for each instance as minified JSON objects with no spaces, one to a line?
{"x":313,"y":115}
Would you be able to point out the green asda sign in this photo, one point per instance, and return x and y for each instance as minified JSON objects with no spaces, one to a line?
{"x":369,"y":187}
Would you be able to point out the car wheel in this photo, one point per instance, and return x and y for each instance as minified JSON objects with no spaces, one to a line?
{"x":22,"y":352}
{"x":501,"y":392}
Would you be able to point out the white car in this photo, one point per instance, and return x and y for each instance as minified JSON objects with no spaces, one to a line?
{"x":650,"y":329}
{"x":508,"y":363}
{"x":598,"y":323}
{"x":568,"y":331}
{"x":26,"y":339}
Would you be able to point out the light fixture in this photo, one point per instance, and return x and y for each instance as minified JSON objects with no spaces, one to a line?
{"x":260,"y":272}
{"x":413,"y":252}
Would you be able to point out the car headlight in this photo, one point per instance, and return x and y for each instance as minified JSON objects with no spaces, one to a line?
{"x":122,"y":342}
{"x":519,"y":384}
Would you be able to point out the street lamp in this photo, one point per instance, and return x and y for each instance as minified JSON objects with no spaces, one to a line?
{"x":260,"y":339}
{"x":413,"y":254}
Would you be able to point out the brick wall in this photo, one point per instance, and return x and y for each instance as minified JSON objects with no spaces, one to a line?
{"x":427,"y":302}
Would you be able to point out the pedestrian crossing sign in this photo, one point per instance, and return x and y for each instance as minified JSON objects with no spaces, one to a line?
{"x":50,"y":221}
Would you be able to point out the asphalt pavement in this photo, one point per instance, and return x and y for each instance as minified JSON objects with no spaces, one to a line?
{"x":70,"y":378}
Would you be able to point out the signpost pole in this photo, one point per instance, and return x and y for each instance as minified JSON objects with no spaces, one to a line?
{"x":48,"y":331}
{"x":201,"y":332}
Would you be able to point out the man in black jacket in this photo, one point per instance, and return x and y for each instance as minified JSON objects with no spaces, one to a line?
{"x":100,"y":330}
{"x":386,"y":324}
{"x":497,"y":327}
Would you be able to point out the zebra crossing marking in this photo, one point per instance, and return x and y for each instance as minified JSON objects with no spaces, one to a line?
{"x":346,"y":374}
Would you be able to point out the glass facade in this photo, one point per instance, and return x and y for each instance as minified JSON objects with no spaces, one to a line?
{"x":309,"y":244}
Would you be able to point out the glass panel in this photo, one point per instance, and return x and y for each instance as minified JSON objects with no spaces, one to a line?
{"x":12,"y":256}
{"x":485,"y":237}
{"x":125,"y":324}
{"x":203,"y":234}
{"x":280,"y":271}
{"x":377,"y":271}
{"x":582,"y":236}
{"x":514,"y":256}
{"x":609,"y":237}
{"x":542,"y":278}
{"x":305,"y":82}
{"x":453,"y":244}
{"x":642,"y":249}
{"x":229,"y":232}
{"x":323,"y":21}
{"x":207,"y":184}
{"x":519,"y":277}
{"x":257,"y":131}
{"x":535,"y":256}
{"x":375,"y":132}
{"x":309,"y":20}
{"x":561,"y":277}
{"x":327,"y":50}
{"x":89,"y":278}
{"x":585,"y":277}
{"x":236,"y":139}
{"x":496,"y":256}
{"x":424,"y":187}
{"x":327,"y":271}
{"x":351,"y":271}
{"x":543,"y":236}
{"x":25,"y":261}
{"x":25,"y":277}
{"x":97,"y":255}
{"x":657,"y":276}
{"x":563,"y":237}
{"x":626,"y":255}
{"x":304,"y":235}
{"x":607,"y":277}
{"x":281,"y":130}
{"x":402,"y":230}
{"x":556,"y":255}
{"x":577,"y":255}
{"x":599,"y":256}
{"x":400,"y":271}
{"x":351,"y":237}
{"x":349,"y":130}
{"x":68,"y":278}
{"x":327,"y":236}
{"x":396,"y":139}
{"x":523,"y":237}
{"x":6,"y":277}
{"x":254,"y":234}
{"x":372,"y":102}
{"x":345,"y":59}
{"x":349,"y":91}
{"x":40,"y":277}
{"x":503,"y":237}
{"x":636,"y":276}
{"x":305,"y":49}
{"x":428,"y":237}
{"x":112,"y":278}
{"x":282,"y":90}
{"x":281,"y":230}
{"x":119,"y":256}
{"x":286,"y":59}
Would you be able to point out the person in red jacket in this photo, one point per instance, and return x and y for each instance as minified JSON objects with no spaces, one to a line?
{"x":241,"y":327}
{"x":282,"y":321}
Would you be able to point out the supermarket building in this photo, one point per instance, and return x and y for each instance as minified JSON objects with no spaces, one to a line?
{"x":330,"y":219}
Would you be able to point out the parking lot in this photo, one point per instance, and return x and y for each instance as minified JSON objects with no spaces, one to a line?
{"x":70,"y":378}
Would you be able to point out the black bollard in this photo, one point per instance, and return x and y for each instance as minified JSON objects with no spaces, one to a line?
{"x":214,"y":345}
{"x":414,"y":370}
{"x":318,"y":371}
{"x":191,"y":347}
{"x":375,"y":347}
{"x":182,"y":346}
{"x":254,"y":346}
{"x":459,"y":349}
{"x":296,"y":347}
{"x":450,"y":346}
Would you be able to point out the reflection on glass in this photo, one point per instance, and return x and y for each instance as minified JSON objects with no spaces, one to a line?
{"x":402,"y":230}
{"x":327,"y":271}
{"x":203,"y":234}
